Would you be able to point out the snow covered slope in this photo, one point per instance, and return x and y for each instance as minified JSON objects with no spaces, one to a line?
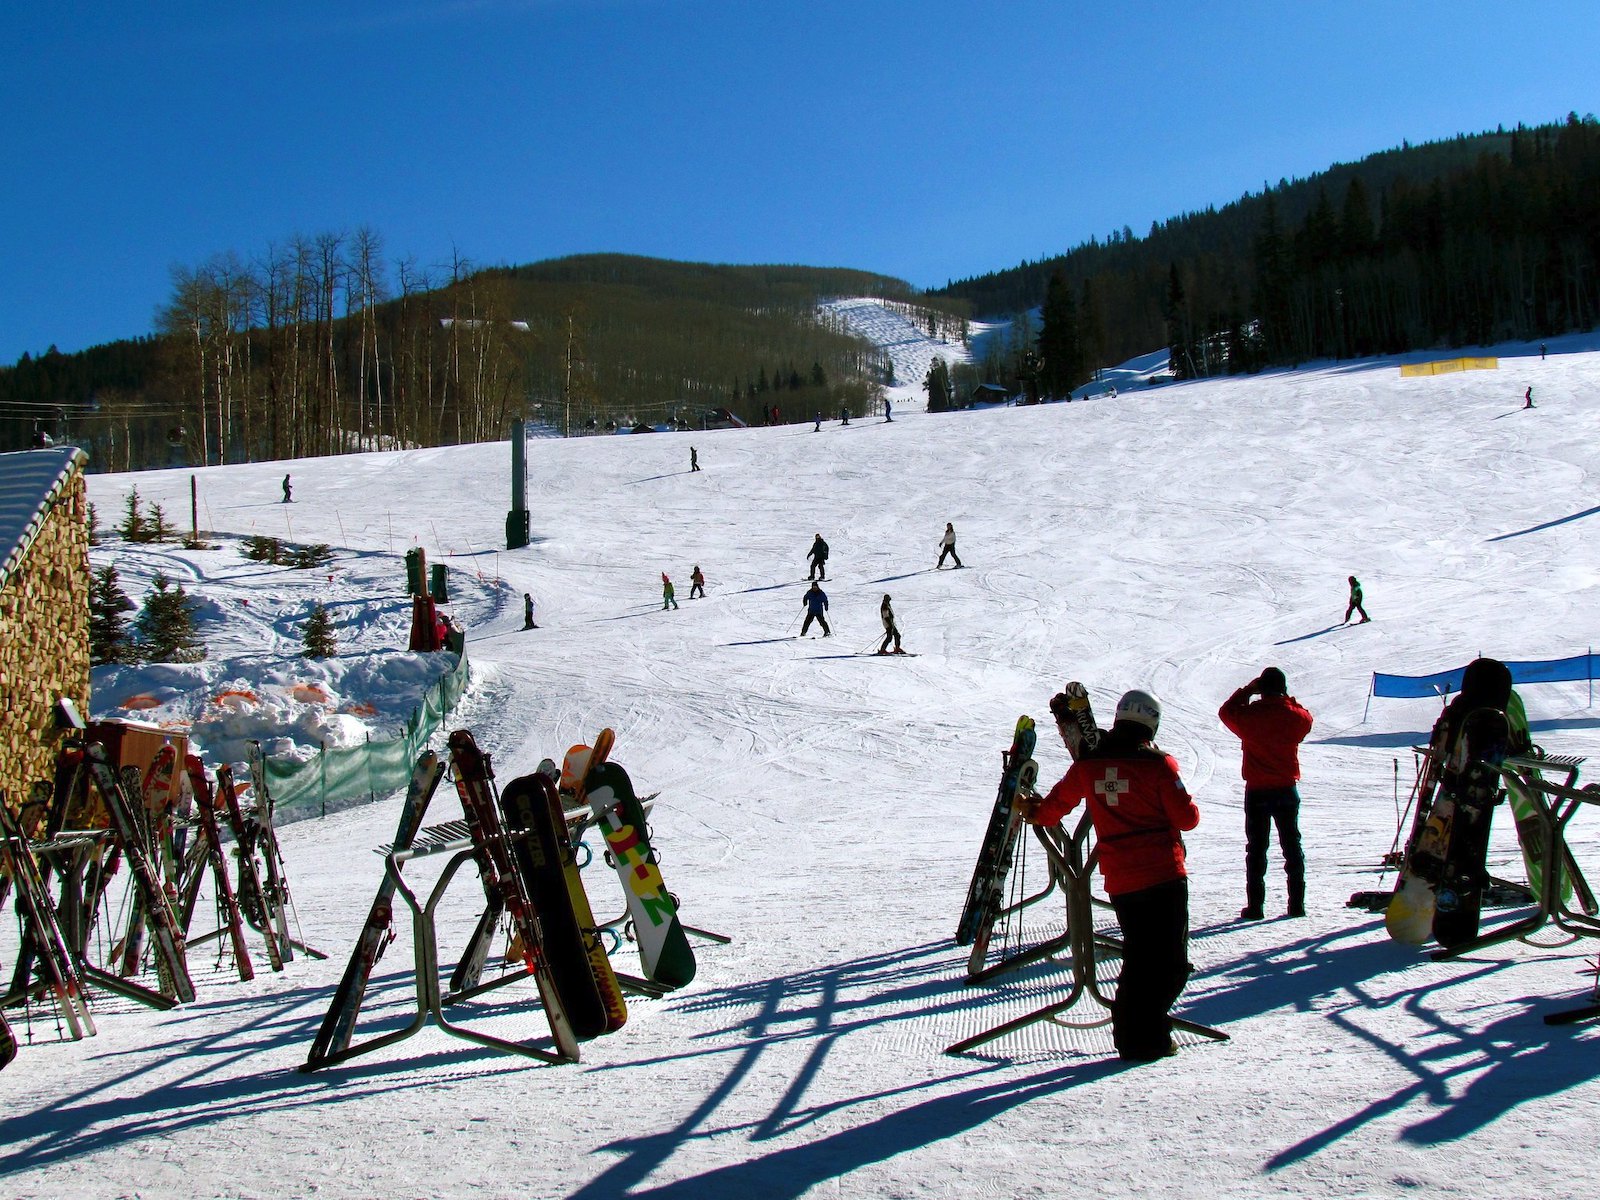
{"x":823,"y":807}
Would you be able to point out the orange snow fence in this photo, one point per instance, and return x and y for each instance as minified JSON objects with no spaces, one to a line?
{"x":141,"y":701}
{"x":309,"y":693}
{"x":1447,"y":366}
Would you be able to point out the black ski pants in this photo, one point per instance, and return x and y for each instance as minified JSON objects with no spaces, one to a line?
{"x":819,"y":619}
{"x":1265,"y":808}
{"x":951,"y":551}
{"x":819,"y":568}
{"x":891,"y":632}
{"x":1155,"y":966}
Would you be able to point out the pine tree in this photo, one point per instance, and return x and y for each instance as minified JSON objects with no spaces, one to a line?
{"x":132,"y":528}
{"x":1061,"y":366}
{"x":318,"y":636}
{"x":159,"y":529}
{"x":165,"y":625}
{"x":937,"y":385}
{"x":108,"y":632}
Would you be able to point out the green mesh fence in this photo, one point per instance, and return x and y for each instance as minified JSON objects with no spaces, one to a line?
{"x":335,"y":779}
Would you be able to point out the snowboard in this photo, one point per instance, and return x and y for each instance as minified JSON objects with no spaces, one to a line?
{"x":526,"y":808}
{"x":503,"y":882}
{"x":1458,"y":897}
{"x":664,"y":951}
{"x":993,"y":896}
{"x":1075,"y":721}
{"x":339,"y":1025}
{"x":1023,"y":739}
{"x":1443,"y":868}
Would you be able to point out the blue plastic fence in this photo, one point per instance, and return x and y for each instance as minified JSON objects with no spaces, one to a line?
{"x":1549,"y":670}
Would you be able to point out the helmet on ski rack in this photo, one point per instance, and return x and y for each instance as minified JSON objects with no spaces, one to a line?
{"x":1141,"y":708}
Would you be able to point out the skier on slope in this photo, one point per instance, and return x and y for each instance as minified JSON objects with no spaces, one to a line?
{"x":288,"y":495}
{"x":816,"y":603}
{"x":667,"y":600}
{"x":1271,"y":729}
{"x":1355,"y":603}
{"x":1140,"y":811}
{"x":1527,"y":398}
{"x":818,"y":557}
{"x":694,"y":459}
{"x":527,"y":611}
{"x":697,"y":583}
{"x":947,"y":545}
{"x":890,"y":630}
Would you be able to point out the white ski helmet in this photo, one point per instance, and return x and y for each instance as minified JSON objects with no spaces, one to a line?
{"x":1140,"y":707}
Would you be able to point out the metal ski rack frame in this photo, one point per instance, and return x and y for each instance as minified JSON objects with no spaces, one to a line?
{"x":1554,"y":805}
{"x":452,"y":838}
{"x":1045,"y":949}
{"x":44,"y":949}
{"x":62,"y":852}
{"x":1073,"y":863}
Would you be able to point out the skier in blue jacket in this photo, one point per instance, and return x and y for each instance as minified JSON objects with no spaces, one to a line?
{"x":816,"y":602}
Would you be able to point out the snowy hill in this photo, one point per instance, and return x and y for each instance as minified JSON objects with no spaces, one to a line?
{"x":823,"y":806}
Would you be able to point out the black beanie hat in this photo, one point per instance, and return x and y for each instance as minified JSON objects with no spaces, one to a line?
{"x":1273,"y":683}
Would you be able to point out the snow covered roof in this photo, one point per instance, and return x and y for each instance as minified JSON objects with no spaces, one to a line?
{"x":30,"y":480}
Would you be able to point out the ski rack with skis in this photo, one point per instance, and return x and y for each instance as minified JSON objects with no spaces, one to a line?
{"x":43,"y":948}
{"x":1054,"y":880}
{"x":1554,"y":805}
{"x":455,"y":839}
{"x":1073,"y":863}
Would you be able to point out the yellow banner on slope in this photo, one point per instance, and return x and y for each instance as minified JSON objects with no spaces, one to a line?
{"x":1445,"y":366}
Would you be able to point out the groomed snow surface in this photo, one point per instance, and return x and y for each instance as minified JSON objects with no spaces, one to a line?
{"x":823,"y":806}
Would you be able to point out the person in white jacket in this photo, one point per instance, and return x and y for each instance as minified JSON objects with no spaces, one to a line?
{"x":948,"y":546}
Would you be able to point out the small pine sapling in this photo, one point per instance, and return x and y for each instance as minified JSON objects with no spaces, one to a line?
{"x":132,"y":528}
{"x":318,"y":634}
{"x":165,"y":625}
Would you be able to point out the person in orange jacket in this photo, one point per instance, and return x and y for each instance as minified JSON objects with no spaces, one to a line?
{"x":1140,"y":811}
{"x":1271,"y":728}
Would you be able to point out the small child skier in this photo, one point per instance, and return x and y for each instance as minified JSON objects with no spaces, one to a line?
{"x":667,"y":600}
{"x":697,"y":583}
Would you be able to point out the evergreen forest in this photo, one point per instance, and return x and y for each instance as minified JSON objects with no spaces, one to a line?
{"x":1473,"y":240}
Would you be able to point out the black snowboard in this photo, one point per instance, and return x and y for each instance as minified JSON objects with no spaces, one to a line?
{"x":1471,"y":779}
{"x":523,"y":803}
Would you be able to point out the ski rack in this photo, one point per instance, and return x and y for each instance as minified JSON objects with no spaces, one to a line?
{"x":1554,"y":804}
{"x":1046,"y":949}
{"x":455,"y":839}
{"x":1073,"y":863}
{"x":78,"y":915}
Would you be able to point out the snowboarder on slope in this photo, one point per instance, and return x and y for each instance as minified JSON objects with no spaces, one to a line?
{"x":288,"y":496}
{"x":1140,"y":811}
{"x":1355,"y":603}
{"x":818,"y":556}
{"x":890,"y":630}
{"x":816,"y":602}
{"x":527,"y":611}
{"x":1527,"y":398}
{"x":694,"y":459}
{"x":697,"y":583}
{"x":1271,"y":729}
{"x":667,"y":600}
{"x":888,"y":410}
{"x":947,"y":546}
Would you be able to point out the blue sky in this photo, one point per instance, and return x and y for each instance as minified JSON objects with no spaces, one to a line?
{"x":928,"y":140}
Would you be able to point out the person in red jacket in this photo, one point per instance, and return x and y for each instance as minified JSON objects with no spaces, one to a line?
{"x":1140,"y":810}
{"x":1271,"y":728}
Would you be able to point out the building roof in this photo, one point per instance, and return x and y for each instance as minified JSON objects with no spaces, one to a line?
{"x":30,"y":481}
